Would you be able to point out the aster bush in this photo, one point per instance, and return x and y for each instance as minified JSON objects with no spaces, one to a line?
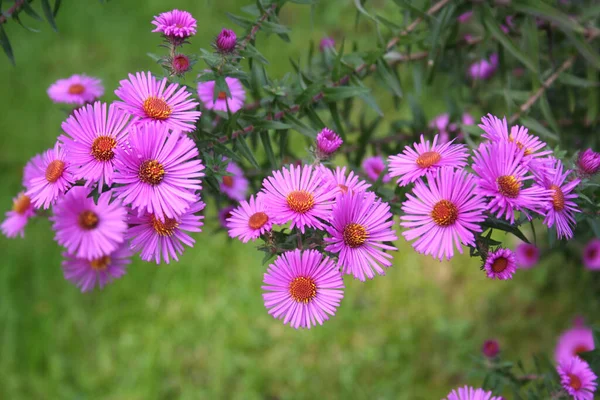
{"x":309,"y":168}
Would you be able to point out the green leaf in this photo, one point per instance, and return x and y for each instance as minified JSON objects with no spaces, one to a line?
{"x":300,"y":126}
{"x":585,"y":49}
{"x":241,"y":21}
{"x":270,"y":124}
{"x":31,"y":12}
{"x":344,"y":92}
{"x":593,"y":95}
{"x":545,"y":11}
{"x":221,"y":86}
{"x":361,"y":9}
{"x":15,"y":16}
{"x":271,"y":27}
{"x":538,"y":128}
{"x":266,"y":141}
{"x":49,"y":14}
{"x":337,"y":120}
{"x":407,"y":4}
{"x":389,"y":77}
{"x":505,"y":227}
{"x":573,"y":80}
{"x":5,"y":43}
{"x":57,"y":4}
{"x":241,"y":145}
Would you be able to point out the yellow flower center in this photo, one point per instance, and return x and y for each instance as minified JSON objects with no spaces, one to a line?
{"x":102,"y":148}
{"x":156,"y":108}
{"x":444,"y":213}
{"x":21,"y":204}
{"x":300,"y":201}
{"x":574,"y":381}
{"x":164,"y":228}
{"x":151,"y":172}
{"x":303,"y":289}
{"x":558,"y":198}
{"x":355,"y":235}
{"x":54,"y":170}
{"x":88,"y":220}
{"x":100,"y":264}
{"x":509,"y":186}
{"x":228,"y":181}
{"x":258,"y":220}
{"x":76,"y":88}
{"x":222,"y":96}
{"x":428,"y":159}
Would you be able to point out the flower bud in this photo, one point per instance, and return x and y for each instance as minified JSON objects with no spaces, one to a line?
{"x":588,"y":162}
{"x":180,"y":64}
{"x":327,"y":143}
{"x":490,"y":348}
{"x":226,"y":41}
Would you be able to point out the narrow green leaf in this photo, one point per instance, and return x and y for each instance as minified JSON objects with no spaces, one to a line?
{"x":585,"y":49}
{"x":31,"y":12}
{"x":266,"y":141}
{"x":405,"y":4}
{"x":545,"y":11}
{"x":221,"y":86}
{"x":538,"y":128}
{"x":57,"y":4}
{"x":548,"y":115}
{"x":337,"y":64}
{"x":48,"y":13}
{"x":389,"y":77}
{"x":15,"y":16}
{"x":337,"y":120}
{"x":270,"y":124}
{"x":300,"y":126}
{"x":241,"y":21}
{"x":6,"y":45}
{"x":505,"y":227}
{"x":361,"y":9}
{"x":593,"y":95}
{"x":241,"y":145}
{"x":271,"y":27}
{"x":572,"y":80}
{"x":344,"y":92}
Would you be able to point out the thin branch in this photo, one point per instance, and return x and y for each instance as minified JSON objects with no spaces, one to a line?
{"x":18,"y":4}
{"x":256,"y":27}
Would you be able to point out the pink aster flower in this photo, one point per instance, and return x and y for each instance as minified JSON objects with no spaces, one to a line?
{"x":32,"y":169}
{"x":93,"y":134}
{"x":89,"y":229}
{"x":560,"y":208}
{"x":327,"y":143}
{"x":591,"y":255}
{"x":78,"y":89}
{"x":572,"y":342}
{"x":443,"y":214}
{"x":500,"y":264}
{"x":577,"y":378}
{"x":360,"y":224}
{"x":224,"y":215}
{"x":297,"y":195}
{"x":484,"y":69}
{"x":53,"y":177}
{"x":158,"y":171}
{"x":16,"y":219}
{"x":527,"y":255}
{"x":175,"y":24}
{"x":249,"y":220}
{"x":426,"y":157}
{"x":469,"y":393}
{"x":303,"y":288}
{"x":226,"y":41}
{"x":502,"y":178}
{"x":235,"y":186}
{"x":180,"y":64}
{"x":326,"y":43}
{"x":147,"y":98}
{"x":341,"y":182}
{"x":87,"y":274}
{"x":588,"y":162}
{"x":374,"y":167}
{"x":490,"y":348}
{"x":164,"y":239}
{"x":465,"y":17}
{"x":235,"y":100}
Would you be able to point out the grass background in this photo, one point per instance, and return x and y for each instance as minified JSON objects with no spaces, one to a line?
{"x":198,"y":328}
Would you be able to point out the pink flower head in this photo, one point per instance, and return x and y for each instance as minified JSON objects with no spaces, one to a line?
{"x":88,"y":229}
{"x":93,"y":134}
{"x":16,"y":219}
{"x":341,"y":182}
{"x":235,"y":100}
{"x":226,"y":41}
{"x":484,"y":69}
{"x":360,"y":224}
{"x":527,"y":255}
{"x":52,"y":179}
{"x":490,"y":348}
{"x":374,"y":167}
{"x":249,"y":220}
{"x":327,"y":143}
{"x":87,"y":274}
{"x":297,"y":195}
{"x":326,"y":43}
{"x":235,"y":186}
{"x":591,"y":255}
{"x":147,"y":98}
{"x":502,"y":178}
{"x":175,"y":24}
{"x":158,"y":171}
{"x":78,"y":89}
{"x":424,"y":158}
{"x":469,"y":393}
{"x":440,"y":122}
{"x":465,"y":17}
{"x":443,"y":214}
{"x":224,"y":215}
{"x":577,"y":378}
{"x":180,"y":64}
{"x":572,"y":342}
{"x":561,"y":208}
{"x":500,"y":264}
{"x":32,"y":169}
{"x":303,"y":288}
{"x":164,"y":239}
{"x":588,"y":162}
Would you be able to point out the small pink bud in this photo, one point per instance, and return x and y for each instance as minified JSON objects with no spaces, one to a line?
{"x":588,"y":162}
{"x":326,"y":43}
{"x":327,"y":143}
{"x":490,"y":348}
{"x":226,"y":41}
{"x":181,"y":64}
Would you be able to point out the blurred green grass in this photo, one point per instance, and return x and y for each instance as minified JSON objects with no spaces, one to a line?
{"x":198,"y":328}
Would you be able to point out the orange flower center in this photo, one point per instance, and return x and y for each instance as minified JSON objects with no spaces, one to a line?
{"x":222,"y":96}
{"x":152,"y":172}
{"x":300,"y":201}
{"x":88,"y":220}
{"x":444,"y":213}
{"x":343,"y":188}
{"x":102,"y":148}
{"x":303,"y":289}
{"x":574,"y":381}
{"x":76,"y":88}
{"x":157,"y":108}
{"x":520,"y":145}
{"x":258,"y":220}
{"x":355,"y":235}
{"x":558,"y":198}
{"x":580,"y":349}
{"x":54,"y":170}
{"x":164,"y":228}
{"x":100,"y":264}
{"x":228,"y":181}
{"x":509,"y":186}
{"x":530,"y":252}
{"x":499,"y":264}
{"x":21,"y":204}
{"x":428,"y":159}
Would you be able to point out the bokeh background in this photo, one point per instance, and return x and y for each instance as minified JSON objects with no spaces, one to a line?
{"x":198,"y":328}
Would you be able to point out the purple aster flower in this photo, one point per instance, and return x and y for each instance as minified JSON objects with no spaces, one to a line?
{"x":78,"y":89}
{"x":250,"y":220}
{"x":360,"y":224}
{"x":577,"y":378}
{"x":32,"y":169}
{"x":147,"y":98}
{"x":527,"y":255}
{"x":591,"y":255}
{"x":16,"y":219}
{"x":588,"y":162}
{"x":206,"y":93}
{"x":164,"y":239}
{"x":297,"y":195}
{"x":303,"y":288}
{"x":375,"y":166}
{"x":224,"y":215}
{"x":87,"y":274}
{"x":490,"y":348}
{"x":226,"y":41}
{"x":341,"y":182}
{"x":443,"y":214}
{"x":500,"y":264}
{"x":88,"y":229}
{"x":572,"y":342}
{"x":484,"y":69}
{"x":502,"y":177}
{"x":426,"y":157}
{"x":176,"y":25}
{"x":235,"y":186}
{"x":327,"y":143}
{"x":52,"y":179}
{"x":440,"y":122}
{"x":560,"y":208}
{"x":93,"y":134}
{"x":465,"y":17}
{"x":158,"y":171}
{"x":469,"y":393}
{"x":326,"y":43}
